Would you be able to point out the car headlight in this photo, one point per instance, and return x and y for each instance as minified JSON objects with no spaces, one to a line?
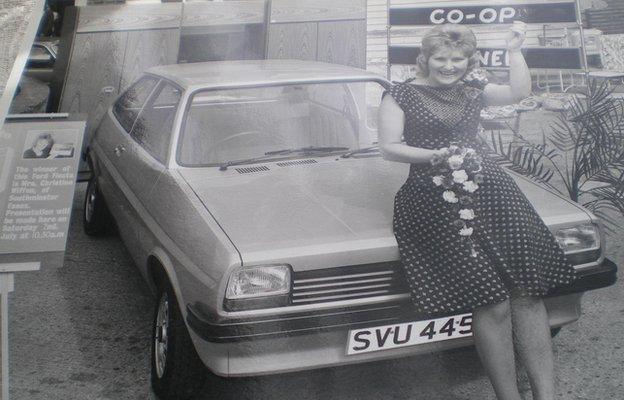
{"x":258,"y":281}
{"x":578,"y":238}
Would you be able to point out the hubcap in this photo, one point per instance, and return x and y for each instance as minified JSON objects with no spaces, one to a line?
{"x":90,"y":203}
{"x":161,"y":335}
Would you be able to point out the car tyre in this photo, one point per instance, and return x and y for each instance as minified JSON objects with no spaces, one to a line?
{"x":95,"y":216}
{"x":177,"y":372}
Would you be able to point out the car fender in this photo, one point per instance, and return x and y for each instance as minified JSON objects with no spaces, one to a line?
{"x":165,"y":262}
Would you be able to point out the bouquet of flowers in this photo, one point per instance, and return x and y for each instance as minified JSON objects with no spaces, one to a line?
{"x":456,"y":171}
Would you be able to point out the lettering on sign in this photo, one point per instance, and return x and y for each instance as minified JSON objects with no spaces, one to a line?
{"x":484,"y":15}
{"x":536,"y":57}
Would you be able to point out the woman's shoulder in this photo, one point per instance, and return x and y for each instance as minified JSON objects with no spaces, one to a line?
{"x":402,"y":92}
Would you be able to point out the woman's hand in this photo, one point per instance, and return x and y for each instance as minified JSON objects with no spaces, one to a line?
{"x":516,"y":36}
{"x":520,"y":84}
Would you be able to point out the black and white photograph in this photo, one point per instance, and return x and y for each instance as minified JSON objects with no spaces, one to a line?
{"x":48,"y":145}
{"x":297,"y":199}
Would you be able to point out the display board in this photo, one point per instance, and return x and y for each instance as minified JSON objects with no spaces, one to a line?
{"x":38,"y":167}
{"x":490,"y":22}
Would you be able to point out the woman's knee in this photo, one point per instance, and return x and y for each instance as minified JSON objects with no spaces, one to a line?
{"x":496,"y":313}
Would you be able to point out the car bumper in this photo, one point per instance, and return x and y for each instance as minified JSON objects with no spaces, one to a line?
{"x":314,"y":340}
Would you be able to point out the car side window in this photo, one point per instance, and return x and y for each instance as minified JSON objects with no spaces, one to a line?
{"x":153,"y":127}
{"x":127,"y":107}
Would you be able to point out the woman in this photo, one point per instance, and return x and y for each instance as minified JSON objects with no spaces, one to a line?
{"x":511,"y":260}
{"x":41,"y":147}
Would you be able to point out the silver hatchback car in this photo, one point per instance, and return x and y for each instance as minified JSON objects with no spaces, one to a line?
{"x":253,"y":200}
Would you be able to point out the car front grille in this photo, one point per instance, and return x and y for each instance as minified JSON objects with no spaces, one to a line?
{"x":347,"y":283}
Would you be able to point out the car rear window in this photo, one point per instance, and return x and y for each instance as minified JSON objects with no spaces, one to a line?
{"x":152,"y":129}
{"x":127,"y":107}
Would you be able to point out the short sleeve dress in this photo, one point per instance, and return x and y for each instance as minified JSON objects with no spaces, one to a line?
{"x":515,"y":250}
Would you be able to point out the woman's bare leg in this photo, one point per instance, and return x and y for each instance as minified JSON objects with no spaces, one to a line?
{"x":533,"y":344}
{"x":491,"y":325}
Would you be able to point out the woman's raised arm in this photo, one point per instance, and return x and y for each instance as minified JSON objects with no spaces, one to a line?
{"x":391,"y":123}
{"x":519,"y":75}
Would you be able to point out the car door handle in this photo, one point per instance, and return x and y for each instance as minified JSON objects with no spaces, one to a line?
{"x":119,"y":149}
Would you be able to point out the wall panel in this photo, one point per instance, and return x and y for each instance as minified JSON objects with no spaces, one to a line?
{"x":342,"y":42}
{"x":316,"y":10}
{"x":147,"y":49}
{"x":102,"y":18}
{"x":296,"y":40}
{"x":96,"y":64}
{"x":223,"y":13}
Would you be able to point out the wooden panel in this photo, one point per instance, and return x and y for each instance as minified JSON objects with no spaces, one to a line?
{"x":146,"y":49}
{"x":208,"y":13}
{"x":317,"y":10}
{"x":298,"y":40}
{"x":342,"y":42}
{"x":231,"y":42}
{"x":102,"y":18}
{"x":96,"y":63}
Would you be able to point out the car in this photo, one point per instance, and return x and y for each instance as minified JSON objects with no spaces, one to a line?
{"x":254,"y":201}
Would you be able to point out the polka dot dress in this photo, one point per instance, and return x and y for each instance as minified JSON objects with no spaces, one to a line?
{"x":515,"y":250}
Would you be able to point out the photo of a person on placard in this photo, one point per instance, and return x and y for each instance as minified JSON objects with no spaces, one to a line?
{"x":44,"y":146}
{"x":41,"y":147}
{"x":471,"y":243}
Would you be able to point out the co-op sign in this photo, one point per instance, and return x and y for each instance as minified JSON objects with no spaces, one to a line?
{"x":435,"y":13}
{"x":538,"y":13}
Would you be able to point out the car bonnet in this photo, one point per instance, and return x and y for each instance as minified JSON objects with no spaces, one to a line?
{"x":332,"y":205}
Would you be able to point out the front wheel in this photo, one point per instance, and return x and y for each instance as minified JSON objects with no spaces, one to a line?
{"x":177,"y":371}
{"x":95,"y":215}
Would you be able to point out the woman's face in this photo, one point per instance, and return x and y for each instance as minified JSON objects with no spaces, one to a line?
{"x":447,"y":67}
{"x":41,"y":144}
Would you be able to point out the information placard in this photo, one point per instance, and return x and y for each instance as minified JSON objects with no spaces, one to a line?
{"x":39,"y":163}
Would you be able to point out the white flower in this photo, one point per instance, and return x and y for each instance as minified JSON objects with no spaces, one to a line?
{"x":455,"y":161}
{"x":450,"y":196}
{"x":438,"y":179}
{"x":470,"y":152}
{"x":460,"y":176}
{"x":470,"y":186}
{"x":465,"y":231}
{"x":466,"y":213}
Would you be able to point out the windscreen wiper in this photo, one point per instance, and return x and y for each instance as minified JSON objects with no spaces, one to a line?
{"x":224,"y":165}
{"x":269,"y":154}
{"x":363,"y":150}
{"x":306,"y":150}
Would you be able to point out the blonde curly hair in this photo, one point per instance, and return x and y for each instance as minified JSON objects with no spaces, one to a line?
{"x":452,"y":36}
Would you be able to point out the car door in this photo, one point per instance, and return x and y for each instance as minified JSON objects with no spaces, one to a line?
{"x":144,"y":160}
{"x":110,"y":144}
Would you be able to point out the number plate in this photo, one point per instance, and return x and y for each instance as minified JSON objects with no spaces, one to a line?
{"x":408,"y":334}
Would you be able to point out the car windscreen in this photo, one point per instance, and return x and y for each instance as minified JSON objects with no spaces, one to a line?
{"x":244,"y":123}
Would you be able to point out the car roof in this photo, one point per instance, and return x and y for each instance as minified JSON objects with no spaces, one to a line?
{"x":215,"y":74}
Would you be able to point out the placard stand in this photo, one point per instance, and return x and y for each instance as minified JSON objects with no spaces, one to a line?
{"x":7,"y":286}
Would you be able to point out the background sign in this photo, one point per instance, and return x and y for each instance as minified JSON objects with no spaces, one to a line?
{"x":486,"y":14}
{"x":536,"y":57}
{"x":547,"y":44}
{"x":39,"y":162}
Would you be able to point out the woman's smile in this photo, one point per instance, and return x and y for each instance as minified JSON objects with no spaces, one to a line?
{"x":447,"y":67}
